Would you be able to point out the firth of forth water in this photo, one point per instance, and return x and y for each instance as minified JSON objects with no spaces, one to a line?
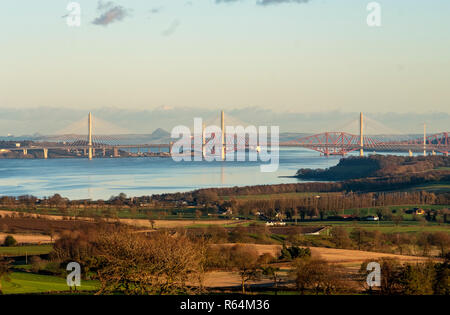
{"x":105,"y":177}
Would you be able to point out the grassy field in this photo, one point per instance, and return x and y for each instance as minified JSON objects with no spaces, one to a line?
{"x":391,"y":228}
{"x":170,"y":213}
{"x":291,"y":195}
{"x":441,"y":187}
{"x":396,"y":210}
{"x":373,"y":210}
{"x":22,"y":282}
{"x":26,"y":250}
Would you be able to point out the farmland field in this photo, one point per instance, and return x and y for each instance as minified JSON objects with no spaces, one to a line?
{"x":28,"y":250}
{"x":28,"y":238}
{"x":22,"y":282}
{"x":277,"y":196}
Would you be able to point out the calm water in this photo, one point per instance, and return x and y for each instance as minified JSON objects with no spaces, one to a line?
{"x":102,"y":178}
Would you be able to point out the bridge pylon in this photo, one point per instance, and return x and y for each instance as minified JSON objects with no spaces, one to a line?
{"x":222,"y":141}
{"x":203,"y":142}
{"x":361,"y":134}
{"x":90,"y":135}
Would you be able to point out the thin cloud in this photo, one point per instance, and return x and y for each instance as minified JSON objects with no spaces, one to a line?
{"x":172,"y":28}
{"x":110,"y":13}
{"x":156,"y":10}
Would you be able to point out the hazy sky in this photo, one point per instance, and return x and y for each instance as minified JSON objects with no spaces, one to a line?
{"x":313,"y":56}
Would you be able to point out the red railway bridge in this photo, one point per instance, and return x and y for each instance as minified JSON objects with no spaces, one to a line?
{"x":342,"y":143}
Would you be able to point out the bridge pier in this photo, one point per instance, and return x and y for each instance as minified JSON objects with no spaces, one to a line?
{"x":104,"y":152}
{"x":45,"y":153}
{"x":170,"y":147}
{"x":25,"y":151}
{"x":116,"y":152}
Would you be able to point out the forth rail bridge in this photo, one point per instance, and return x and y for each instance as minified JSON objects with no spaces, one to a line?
{"x":327,"y":143}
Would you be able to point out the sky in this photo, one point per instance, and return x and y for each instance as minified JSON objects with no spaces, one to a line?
{"x":290,"y":56}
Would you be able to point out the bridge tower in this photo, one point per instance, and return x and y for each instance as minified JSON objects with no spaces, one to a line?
{"x":203,"y":141}
{"x":90,"y":135}
{"x":361,"y":135}
{"x":222,"y":141}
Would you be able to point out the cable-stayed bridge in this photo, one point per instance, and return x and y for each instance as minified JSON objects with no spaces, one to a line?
{"x":97,"y":143}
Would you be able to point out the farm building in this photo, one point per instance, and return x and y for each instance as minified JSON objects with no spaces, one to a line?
{"x":371,"y":218}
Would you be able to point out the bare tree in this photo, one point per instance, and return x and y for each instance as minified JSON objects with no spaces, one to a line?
{"x":134,"y":264}
{"x":317,"y":275}
{"x":273,"y":273}
{"x":245,"y":259}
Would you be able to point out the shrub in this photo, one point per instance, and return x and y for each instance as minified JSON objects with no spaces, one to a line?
{"x":340,"y":237}
{"x":36,"y":263}
{"x":293,"y":252}
{"x":9,"y":241}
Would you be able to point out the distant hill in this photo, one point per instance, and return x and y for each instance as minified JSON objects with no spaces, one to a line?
{"x":160,"y":133}
{"x":48,"y":120}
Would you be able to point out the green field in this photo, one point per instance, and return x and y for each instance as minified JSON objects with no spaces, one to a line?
{"x":290,"y":195}
{"x":384,"y":226}
{"x":441,"y":187}
{"x":22,"y":282}
{"x":26,"y":250}
{"x":373,"y":210}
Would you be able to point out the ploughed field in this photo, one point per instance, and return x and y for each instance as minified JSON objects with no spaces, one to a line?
{"x":39,"y":225}
{"x":57,"y":222}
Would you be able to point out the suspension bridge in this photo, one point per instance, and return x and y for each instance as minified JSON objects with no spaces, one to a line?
{"x":327,"y":143}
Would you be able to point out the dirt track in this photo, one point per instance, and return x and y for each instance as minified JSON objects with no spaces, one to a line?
{"x":220,"y":279}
